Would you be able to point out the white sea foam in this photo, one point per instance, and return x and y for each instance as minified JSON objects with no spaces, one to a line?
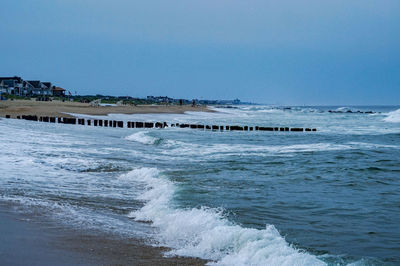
{"x":343,"y":109}
{"x":76,"y":216}
{"x":142,"y":137}
{"x":393,"y":117}
{"x":271,"y":111}
{"x":364,"y":145}
{"x":206,"y":233}
{"x":223,"y":150}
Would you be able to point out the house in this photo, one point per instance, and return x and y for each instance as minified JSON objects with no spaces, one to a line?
{"x":27,"y":88}
{"x":11,"y":85}
{"x":19,"y":87}
{"x":2,"y":87}
{"x":47,"y":84}
{"x":58,"y":91}
{"x":39,"y":88}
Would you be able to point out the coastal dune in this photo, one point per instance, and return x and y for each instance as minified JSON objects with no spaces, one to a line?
{"x":59,"y":108}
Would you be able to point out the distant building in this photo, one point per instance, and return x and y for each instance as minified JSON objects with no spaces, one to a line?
{"x":26,"y":89}
{"x":160,"y":99}
{"x":48,"y":85}
{"x":236,"y":101}
{"x":39,"y":88}
{"x":19,"y":87}
{"x":11,"y":85}
{"x":57,"y":91}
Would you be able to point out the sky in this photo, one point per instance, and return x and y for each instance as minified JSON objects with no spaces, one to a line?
{"x":310,"y":52}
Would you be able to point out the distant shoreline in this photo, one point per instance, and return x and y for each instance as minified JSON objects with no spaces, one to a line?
{"x":58,"y":108}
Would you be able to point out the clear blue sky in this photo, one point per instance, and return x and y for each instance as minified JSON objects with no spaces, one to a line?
{"x":285,"y":52}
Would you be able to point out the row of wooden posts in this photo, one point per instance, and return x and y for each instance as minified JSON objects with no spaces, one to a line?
{"x":131,"y":124}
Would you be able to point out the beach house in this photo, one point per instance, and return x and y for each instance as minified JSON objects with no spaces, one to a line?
{"x":58,"y":91}
{"x":11,"y":85}
{"x":39,"y":88}
{"x":19,"y":87}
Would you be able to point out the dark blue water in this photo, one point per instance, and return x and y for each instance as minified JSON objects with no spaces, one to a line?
{"x":343,"y":201}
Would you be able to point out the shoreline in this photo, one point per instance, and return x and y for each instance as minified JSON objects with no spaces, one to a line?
{"x":28,"y":239}
{"x":58,"y":108}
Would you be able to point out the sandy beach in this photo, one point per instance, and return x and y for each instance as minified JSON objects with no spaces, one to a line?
{"x":58,"y":108}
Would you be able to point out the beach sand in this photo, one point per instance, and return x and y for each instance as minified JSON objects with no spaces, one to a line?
{"x":30,"y":240}
{"x":58,"y":108}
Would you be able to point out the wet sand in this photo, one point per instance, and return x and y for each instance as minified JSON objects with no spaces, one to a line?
{"x":58,"y":108}
{"x":29,"y":240}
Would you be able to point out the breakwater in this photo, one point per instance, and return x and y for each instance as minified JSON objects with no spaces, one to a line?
{"x":147,"y":125}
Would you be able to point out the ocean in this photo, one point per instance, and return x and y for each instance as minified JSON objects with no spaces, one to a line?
{"x":329,"y":197}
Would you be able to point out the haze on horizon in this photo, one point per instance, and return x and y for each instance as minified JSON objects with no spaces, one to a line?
{"x":279,"y":52}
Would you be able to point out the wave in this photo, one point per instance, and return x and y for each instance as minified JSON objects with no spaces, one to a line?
{"x":220,"y":150}
{"x":270,"y":111}
{"x":393,"y":117}
{"x":223,"y":150}
{"x":364,"y":145}
{"x":206,"y":233}
{"x":143,"y":137}
{"x":75,"y":216}
{"x":344,"y":109}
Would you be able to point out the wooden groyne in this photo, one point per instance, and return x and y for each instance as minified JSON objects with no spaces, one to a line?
{"x":148,"y":125}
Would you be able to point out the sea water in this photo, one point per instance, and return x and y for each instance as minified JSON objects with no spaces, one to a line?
{"x":234,"y":198}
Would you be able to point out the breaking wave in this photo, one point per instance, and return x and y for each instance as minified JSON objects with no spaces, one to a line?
{"x":206,"y":232}
{"x":393,"y":117}
{"x":143,"y":137}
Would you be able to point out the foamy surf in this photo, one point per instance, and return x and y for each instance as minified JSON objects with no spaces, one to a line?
{"x":223,"y":150}
{"x":76,"y":217}
{"x":143,"y":137}
{"x":206,"y":233}
{"x":393,"y":117}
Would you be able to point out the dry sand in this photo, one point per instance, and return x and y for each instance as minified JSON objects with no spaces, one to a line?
{"x":58,"y":108}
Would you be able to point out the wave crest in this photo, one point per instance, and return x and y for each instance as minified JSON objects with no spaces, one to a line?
{"x":143,"y":137}
{"x":393,"y":117}
{"x":206,"y":233}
